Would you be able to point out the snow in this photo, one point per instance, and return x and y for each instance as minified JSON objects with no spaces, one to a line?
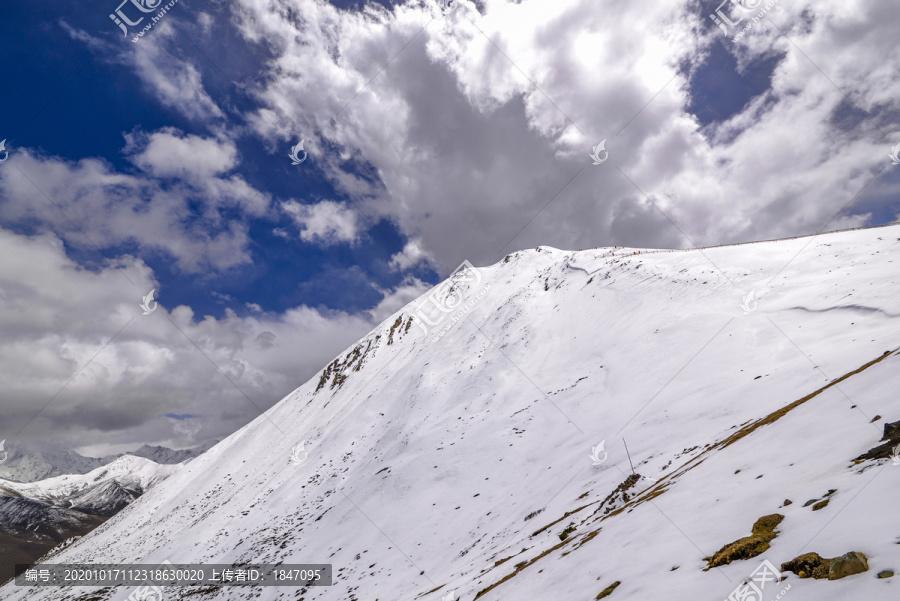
{"x":135,"y":472}
{"x":28,"y":465}
{"x":426,"y":460}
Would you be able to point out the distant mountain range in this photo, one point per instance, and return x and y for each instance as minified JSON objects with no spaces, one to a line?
{"x":28,"y":465}
{"x":48,"y":499}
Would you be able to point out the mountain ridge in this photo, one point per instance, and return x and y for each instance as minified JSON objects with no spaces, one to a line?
{"x":29,"y":465}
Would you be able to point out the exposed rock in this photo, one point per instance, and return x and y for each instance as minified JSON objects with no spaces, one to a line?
{"x":787,"y":502}
{"x":886,"y":574}
{"x":890,"y":439}
{"x":750,"y":546}
{"x":105,"y":499}
{"x":29,"y":529}
{"x":819,"y":504}
{"x":619,"y":497}
{"x":566,"y":532}
{"x":847,"y":565}
{"x":811,"y":565}
{"x":608,"y":590}
{"x":808,"y":565}
{"x":891,"y":432}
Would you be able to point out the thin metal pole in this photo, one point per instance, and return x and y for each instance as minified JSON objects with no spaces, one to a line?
{"x":629,"y":456}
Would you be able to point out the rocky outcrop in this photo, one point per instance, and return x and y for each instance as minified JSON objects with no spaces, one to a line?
{"x":749,"y":546}
{"x":29,"y":529}
{"x":890,"y":440}
{"x":812,"y":565}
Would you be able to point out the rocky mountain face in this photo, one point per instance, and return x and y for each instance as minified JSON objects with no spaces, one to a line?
{"x":620,"y":424}
{"x":29,"y":529}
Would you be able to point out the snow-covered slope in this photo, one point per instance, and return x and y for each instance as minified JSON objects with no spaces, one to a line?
{"x":459,"y":460}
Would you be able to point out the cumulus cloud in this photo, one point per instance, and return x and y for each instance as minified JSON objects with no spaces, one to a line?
{"x":412,"y":255}
{"x":131,"y":372}
{"x":165,"y":153}
{"x":94,"y":207}
{"x":325,"y":223}
{"x":479,"y":131}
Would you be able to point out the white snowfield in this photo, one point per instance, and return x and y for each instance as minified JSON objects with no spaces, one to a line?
{"x":129,"y":471}
{"x":429,"y":462}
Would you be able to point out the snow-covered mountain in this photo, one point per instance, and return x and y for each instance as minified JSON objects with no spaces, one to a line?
{"x":127,"y":472}
{"x":36,"y":517}
{"x":24,"y":464}
{"x":165,"y":455}
{"x":485,"y":458}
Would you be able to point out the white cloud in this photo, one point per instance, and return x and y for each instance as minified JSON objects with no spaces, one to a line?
{"x":55,"y":316}
{"x":156,"y":60}
{"x":93,"y":206}
{"x":176,"y":83}
{"x":412,"y":255}
{"x":467,"y":149}
{"x":168,"y":153}
{"x":186,"y":429}
{"x":326,"y":222}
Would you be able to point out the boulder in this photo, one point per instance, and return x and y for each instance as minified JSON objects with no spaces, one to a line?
{"x":847,"y":565}
{"x":812,"y":565}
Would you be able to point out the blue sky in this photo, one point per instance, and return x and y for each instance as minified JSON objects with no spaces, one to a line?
{"x":432,"y":137}
{"x":87,"y":103}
